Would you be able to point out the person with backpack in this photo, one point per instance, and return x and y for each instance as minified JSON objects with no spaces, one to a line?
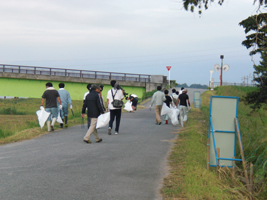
{"x":114,"y":96}
{"x":174,"y":96}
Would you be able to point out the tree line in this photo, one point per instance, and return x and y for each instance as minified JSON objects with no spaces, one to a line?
{"x":256,"y":40}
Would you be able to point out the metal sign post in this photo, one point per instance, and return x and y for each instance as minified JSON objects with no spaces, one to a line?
{"x":222,"y":56}
{"x":224,"y":132}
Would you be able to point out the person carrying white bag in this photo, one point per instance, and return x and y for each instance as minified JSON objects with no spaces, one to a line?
{"x":171,"y":112}
{"x":157,"y":99}
{"x":42,"y":116}
{"x":168,"y":102}
{"x":128,"y":106}
{"x":50,"y":98}
{"x":103,"y":120}
{"x":94,"y":109}
{"x":174,"y":116}
{"x":134,"y":100}
{"x":183,"y":99}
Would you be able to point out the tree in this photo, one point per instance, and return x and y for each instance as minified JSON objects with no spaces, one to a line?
{"x":199,"y":86}
{"x":191,"y":4}
{"x":259,"y":97}
{"x":173,"y":83}
{"x":258,"y":39}
{"x":183,"y":85}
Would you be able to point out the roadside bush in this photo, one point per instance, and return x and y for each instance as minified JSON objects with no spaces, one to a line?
{"x":253,"y":131}
{"x":148,"y":94}
{"x":5,"y":133}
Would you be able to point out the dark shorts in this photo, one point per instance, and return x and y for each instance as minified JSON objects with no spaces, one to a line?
{"x":134,"y":102}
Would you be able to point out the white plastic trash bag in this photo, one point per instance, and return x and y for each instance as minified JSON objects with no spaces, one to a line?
{"x":128,"y":106}
{"x":103,"y":120}
{"x":42,"y":116}
{"x":173,"y":115}
{"x":165,"y":109}
{"x":59,"y":120}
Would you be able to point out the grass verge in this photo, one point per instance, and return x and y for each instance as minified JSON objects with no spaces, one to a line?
{"x":189,"y":179}
{"x":18,"y":119}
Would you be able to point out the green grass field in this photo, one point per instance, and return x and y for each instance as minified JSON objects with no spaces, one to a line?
{"x":18,"y":119}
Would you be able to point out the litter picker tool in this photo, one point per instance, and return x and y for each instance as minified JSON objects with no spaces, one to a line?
{"x":72,"y":112}
{"x":82,"y":125}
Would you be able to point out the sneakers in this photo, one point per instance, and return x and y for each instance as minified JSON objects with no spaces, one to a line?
{"x":52,"y":128}
{"x":109,"y":131}
{"x":88,"y":141}
{"x":100,"y":140}
{"x":159,"y":123}
{"x":66,"y":125}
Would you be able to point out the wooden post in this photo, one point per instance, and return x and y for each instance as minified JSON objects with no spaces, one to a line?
{"x":233,"y":171}
{"x":251,"y":180}
{"x":242,"y":154}
{"x":208,"y":153}
{"x":218,"y":166}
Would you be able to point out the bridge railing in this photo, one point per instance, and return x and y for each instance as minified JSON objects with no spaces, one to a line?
{"x":74,"y":73}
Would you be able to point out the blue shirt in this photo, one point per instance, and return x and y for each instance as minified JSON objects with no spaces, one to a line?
{"x":64,"y":97}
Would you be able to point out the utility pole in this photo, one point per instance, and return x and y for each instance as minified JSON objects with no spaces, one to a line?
{"x":222,"y":56}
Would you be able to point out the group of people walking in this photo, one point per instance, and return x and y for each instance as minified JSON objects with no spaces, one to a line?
{"x":57,"y":102}
{"x":93,"y":104}
{"x":178,"y":99}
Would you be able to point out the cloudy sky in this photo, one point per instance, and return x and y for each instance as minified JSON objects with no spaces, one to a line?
{"x":141,"y":36}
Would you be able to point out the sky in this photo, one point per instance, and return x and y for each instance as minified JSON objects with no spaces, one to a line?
{"x":141,"y":37}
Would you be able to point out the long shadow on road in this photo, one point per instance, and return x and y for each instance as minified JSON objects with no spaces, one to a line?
{"x":60,"y":165}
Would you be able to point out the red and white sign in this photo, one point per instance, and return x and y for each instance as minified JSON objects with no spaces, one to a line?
{"x":168,"y":67}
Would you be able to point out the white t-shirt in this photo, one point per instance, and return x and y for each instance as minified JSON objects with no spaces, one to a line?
{"x":134,"y":95}
{"x":174,"y":96}
{"x":118,"y":96}
{"x":85,"y":94}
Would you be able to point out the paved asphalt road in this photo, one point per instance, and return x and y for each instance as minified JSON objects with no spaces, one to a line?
{"x":61,"y":166}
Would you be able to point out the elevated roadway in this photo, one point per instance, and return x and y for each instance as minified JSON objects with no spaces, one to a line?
{"x":29,"y":81}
